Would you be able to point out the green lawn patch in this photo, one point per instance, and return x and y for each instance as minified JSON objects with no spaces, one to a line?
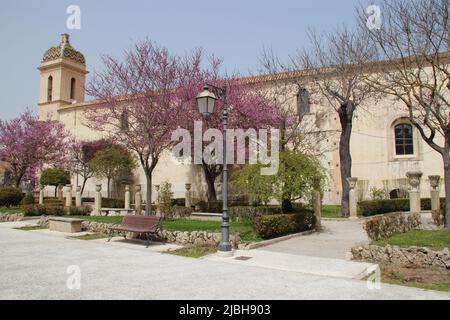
{"x":30,"y":228}
{"x":333,"y":211}
{"x":10,"y":210}
{"x":93,"y":236}
{"x":435,"y":239}
{"x":193,"y":252}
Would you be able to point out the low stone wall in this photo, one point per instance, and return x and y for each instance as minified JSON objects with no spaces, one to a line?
{"x":403,"y":256}
{"x":179,"y":237}
{"x":10,"y":217}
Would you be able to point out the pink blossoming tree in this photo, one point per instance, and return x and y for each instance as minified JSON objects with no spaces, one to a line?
{"x":28,"y":144}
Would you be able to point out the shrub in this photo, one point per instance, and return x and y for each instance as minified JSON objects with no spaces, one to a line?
{"x":10,"y":197}
{"x":377,"y":194}
{"x":375,"y":207}
{"x":181,"y":202}
{"x":271,"y":226}
{"x":42,"y":210}
{"x":177,"y":212}
{"x":249,"y":213}
{"x":113,"y":203}
{"x":28,"y":199}
{"x":386,"y":225}
{"x":75,"y":211}
{"x":214,"y":206}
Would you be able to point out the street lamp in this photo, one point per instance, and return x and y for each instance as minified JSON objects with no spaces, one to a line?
{"x":205,"y":102}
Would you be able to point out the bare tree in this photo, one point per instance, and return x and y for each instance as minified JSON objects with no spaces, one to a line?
{"x":335,"y":69}
{"x":289,"y":89}
{"x":413,"y":43}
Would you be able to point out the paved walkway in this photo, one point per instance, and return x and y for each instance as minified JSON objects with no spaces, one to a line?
{"x":34,"y":264}
{"x":334,"y":241}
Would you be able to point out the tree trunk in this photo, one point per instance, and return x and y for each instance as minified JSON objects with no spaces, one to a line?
{"x":446,"y":159}
{"x":56,"y":190}
{"x":346,"y":119}
{"x":107,"y":187}
{"x":148,"y":194}
{"x":210,"y":176}
{"x":83,"y":185}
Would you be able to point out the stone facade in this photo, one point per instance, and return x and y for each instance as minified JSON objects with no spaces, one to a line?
{"x":375,"y":161}
{"x":403,"y":256}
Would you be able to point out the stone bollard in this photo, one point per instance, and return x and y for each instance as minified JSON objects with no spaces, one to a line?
{"x":127,"y":197}
{"x":353,"y":207}
{"x":434,"y":193}
{"x":157,"y":194}
{"x":414,"y":193}
{"x":98,"y":200}
{"x":41,"y":195}
{"x":78,"y":203}
{"x":138,"y":199}
{"x":69,"y":195}
{"x":188,"y":201}
{"x":317,"y":205}
{"x":60,"y":192}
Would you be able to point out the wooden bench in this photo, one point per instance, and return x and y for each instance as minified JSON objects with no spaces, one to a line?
{"x":148,"y":225}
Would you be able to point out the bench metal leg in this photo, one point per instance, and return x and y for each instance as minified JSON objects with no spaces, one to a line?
{"x":110,"y":235}
{"x":148,"y":239}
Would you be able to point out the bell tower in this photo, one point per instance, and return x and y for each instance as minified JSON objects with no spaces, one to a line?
{"x":62,"y":79}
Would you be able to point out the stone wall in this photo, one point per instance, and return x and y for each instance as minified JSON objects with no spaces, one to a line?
{"x":9,"y":217}
{"x":179,"y":237}
{"x":403,"y":256}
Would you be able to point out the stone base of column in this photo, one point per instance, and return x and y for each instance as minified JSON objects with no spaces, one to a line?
{"x":225,"y":254}
{"x":414,"y":202}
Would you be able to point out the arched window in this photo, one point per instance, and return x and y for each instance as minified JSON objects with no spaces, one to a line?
{"x":72,"y":89}
{"x":49,"y":89}
{"x":404,"y":144}
{"x":303,"y":105}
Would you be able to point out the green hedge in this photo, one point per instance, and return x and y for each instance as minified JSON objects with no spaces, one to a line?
{"x":374,"y":207}
{"x":28,"y":199}
{"x":10,"y":197}
{"x":240,"y":213}
{"x":277,"y":225}
{"x":51,"y":210}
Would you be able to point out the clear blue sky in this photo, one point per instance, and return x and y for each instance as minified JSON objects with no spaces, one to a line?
{"x":235,"y":30}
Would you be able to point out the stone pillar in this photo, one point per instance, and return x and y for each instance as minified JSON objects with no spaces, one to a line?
{"x":434,"y":192}
{"x":78,"y":203}
{"x":353,"y":197}
{"x":98,"y":200}
{"x":188,"y":200}
{"x":317,"y":205}
{"x":414,"y":193}
{"x":157,"y":194}
{"x":60,"y":192}
{"x":127,"y":197}
{"x":41,"y":195}
{"x":69,"y":195}
{"x":138,"y":199}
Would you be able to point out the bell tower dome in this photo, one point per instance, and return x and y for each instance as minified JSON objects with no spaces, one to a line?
{"x":62,"y":78}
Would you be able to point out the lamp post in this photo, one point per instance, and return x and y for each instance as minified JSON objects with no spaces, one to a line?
{"x":206,"y":102}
